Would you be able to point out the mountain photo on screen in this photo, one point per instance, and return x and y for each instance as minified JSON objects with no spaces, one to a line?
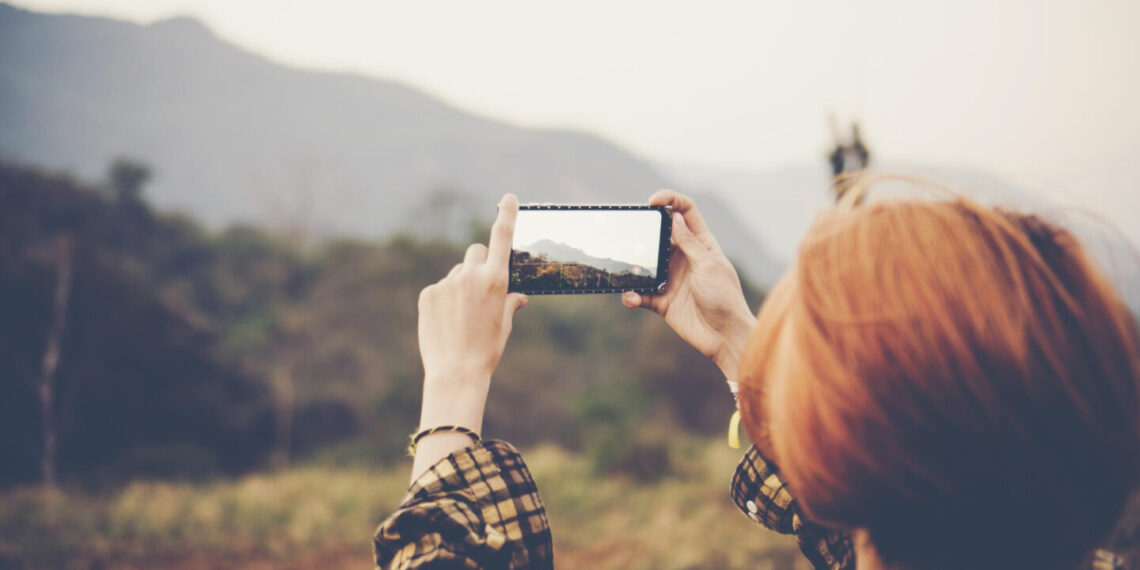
{"x":569,"y":250}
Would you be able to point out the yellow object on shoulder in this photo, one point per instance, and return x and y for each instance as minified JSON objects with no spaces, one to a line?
{"x":734,"y":430}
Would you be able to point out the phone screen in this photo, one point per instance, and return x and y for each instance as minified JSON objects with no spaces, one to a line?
{"x":560,"y":249}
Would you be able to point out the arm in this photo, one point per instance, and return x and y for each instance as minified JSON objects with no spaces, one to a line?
{"x":464,"y":322}
{"x":469,"y":506}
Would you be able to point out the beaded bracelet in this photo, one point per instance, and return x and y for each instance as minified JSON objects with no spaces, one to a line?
{"x":416,"y":437}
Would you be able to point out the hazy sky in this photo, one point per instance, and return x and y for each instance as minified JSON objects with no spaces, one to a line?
{"x":631,"y":236}
{"x":1043,"y":93}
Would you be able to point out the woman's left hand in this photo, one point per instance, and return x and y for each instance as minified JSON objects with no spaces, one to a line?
{"x":464,"y":322}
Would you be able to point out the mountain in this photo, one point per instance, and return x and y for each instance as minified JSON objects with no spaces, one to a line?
{"x":233,"y":136}
{"x":560,"y":252}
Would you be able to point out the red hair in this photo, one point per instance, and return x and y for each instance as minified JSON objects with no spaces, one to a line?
{"x":959,"y":381}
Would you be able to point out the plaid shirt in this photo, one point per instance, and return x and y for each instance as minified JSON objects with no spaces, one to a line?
{"x":479,"y":508}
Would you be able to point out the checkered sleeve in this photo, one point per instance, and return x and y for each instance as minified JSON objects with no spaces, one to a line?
{"x":762,"y":496}
{"x":477,"y":508}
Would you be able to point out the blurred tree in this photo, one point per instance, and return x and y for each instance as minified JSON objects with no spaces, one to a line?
{"x":135,"y":364}
{"x":292,"y":211}
{"x":127,"y":179}
{"x":258,"y":283}
{"x":52,"y":352}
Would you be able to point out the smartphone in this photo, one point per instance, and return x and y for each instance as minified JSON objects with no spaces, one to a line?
{"x":562,"y":249}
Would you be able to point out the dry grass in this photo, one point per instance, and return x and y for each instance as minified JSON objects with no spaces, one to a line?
{"x":682,"y":522}
{"x":323,"y":517}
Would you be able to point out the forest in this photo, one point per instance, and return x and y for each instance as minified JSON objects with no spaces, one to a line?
{"x":531,"y":273}
{"x":189,"y":352}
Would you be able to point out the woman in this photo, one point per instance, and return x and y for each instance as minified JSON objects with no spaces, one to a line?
{"x":942,"y":385}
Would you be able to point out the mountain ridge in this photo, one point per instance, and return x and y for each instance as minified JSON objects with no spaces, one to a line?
{"x":565,"y":253}
{"x":235,"y":137}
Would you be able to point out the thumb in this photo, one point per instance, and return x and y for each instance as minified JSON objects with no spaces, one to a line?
{"x":515,"y":301}
{"x":685,"y":239}
{"x":633,"y":300}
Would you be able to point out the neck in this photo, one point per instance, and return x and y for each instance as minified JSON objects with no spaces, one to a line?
{"x":866,"y":558}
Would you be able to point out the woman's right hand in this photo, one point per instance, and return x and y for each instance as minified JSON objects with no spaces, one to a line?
{"x":704,"y":302}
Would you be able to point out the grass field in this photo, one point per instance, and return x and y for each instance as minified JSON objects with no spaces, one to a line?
{"x":315,"y":516}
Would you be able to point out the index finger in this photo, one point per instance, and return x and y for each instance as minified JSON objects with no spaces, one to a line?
{"x":503,"y":232}
{"x":683,"y":205}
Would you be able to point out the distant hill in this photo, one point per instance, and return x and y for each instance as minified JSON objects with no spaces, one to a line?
{"x":233,"y":136}
{"x":563,"y":253}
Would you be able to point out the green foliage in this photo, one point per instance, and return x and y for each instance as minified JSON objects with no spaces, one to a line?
{"x":640,"y":454}
{"x":136,"y":369}
{"x":176,"y":461}
{"x":317,"y":346}
{"x":613,"y":429}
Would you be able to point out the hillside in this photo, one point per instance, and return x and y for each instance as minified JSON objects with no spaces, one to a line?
{"x":557,"y":251}
{"x":236,"y":137}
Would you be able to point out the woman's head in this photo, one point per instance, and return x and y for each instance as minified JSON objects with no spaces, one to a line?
{"x":957,"y":381}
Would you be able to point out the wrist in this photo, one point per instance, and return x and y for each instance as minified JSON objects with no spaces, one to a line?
{"x":451,"y":399}
{"x":732,"y":347}
{"x":432,"y":448}
{"x":454,"y":378}
{"x":454,"y":400}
